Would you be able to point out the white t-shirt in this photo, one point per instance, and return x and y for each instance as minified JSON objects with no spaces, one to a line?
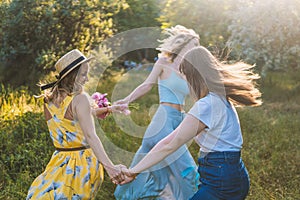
{"x":223,"y":132}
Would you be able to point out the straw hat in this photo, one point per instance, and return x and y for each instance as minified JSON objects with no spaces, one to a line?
{"x":66,"y":64}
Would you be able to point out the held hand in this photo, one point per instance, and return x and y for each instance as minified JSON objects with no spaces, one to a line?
{"x":129,"y":176}
{"x":121,"y":101}
{"x":120,"y":108}
{"x":101,"y":112}
{"x":115,"y":174}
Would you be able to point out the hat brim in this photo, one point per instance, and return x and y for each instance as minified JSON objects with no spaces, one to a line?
{"x":53,"y":84}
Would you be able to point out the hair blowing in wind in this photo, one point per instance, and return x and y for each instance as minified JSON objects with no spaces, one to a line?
{"x":206,"y":74}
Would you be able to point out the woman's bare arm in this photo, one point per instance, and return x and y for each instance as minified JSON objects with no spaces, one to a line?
{"x":146,"y":86}
{"x":83,"y":113}
{"x":186,"y":131}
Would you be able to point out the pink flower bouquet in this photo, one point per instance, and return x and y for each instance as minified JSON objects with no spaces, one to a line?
{"x":101,"y":101}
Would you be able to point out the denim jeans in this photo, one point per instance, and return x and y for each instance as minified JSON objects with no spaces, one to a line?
{"x":222,"y":176}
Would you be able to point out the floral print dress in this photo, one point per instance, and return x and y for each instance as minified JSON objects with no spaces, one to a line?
{"x":70,"y":174}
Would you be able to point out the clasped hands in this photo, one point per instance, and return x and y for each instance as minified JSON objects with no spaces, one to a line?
{"x":121,"y":175}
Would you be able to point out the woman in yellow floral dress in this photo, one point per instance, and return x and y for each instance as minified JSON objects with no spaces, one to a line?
{"x":75,"y":170}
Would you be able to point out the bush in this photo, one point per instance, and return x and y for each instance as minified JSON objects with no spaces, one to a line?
{"x":262,"y":32}
{"x":38,"y":32}
{"x":25,"y":144}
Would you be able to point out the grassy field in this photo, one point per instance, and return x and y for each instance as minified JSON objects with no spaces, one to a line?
{"x":270,"y":151}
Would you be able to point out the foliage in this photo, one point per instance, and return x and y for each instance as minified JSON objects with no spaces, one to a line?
{"x":262,"y":32}
{"x":208,"y":18}
{"x":138,"y":14}
{"x":23,"y":134}
{"x":100,"y":67}
{"x":267,"y":33}
{"x":37,"y":33}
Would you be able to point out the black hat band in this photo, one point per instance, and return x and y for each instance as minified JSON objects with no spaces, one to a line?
{"x":70,"y":66}
{"x":65,"y":70}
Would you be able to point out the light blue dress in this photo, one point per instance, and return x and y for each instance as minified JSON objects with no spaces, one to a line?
{"x":176,"y":177}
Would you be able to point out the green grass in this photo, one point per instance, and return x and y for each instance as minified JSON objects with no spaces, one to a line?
{"x":270,"y":151}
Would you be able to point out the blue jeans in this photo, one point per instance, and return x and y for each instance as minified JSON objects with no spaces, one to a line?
{"x":222,"y":176}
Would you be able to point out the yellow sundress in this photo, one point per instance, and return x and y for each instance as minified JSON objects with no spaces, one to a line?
{"x":71,"y":173}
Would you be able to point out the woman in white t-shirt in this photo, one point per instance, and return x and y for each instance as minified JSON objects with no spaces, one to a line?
{"x":213,"y":123}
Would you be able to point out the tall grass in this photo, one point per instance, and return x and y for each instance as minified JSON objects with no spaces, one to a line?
{"x":270,"y":151}
{"x":24,"y":142}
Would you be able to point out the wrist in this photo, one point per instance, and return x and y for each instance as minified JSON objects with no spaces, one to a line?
{"x":126,"y":100}
{"x":133,"y":174}
{"x":94,"y":112}
{"x":108,"y":167}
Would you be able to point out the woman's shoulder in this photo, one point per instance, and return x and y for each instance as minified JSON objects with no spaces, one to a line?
{"x":209,"y":105}
{"x":203,"y":103}
{"x":163,"y":59}
{"x":213,"y":100}
{"x":210,"y":98}
{"x":82,"y":97}
{"x":206,"y":97}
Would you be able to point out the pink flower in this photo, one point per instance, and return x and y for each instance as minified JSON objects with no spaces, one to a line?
{"x":101,"y":101}
{"x":96,"y":96}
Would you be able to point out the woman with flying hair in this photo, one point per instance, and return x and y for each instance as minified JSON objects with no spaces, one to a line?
{"x":213,"y":123}
{"x":176,"y":176}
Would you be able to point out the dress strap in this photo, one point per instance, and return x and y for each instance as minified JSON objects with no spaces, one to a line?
{"x":60,"y":111}
{"x":49,"y":108}
{"x":65,"y":104}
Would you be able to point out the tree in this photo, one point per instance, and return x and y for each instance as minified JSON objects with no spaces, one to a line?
{"x":209,"y":18}
{"x":267,"y":33}
{"x":38,"y":32}
{"x":138,"y":14}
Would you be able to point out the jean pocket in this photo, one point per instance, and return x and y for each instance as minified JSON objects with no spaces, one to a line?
{"x":210,"y":173}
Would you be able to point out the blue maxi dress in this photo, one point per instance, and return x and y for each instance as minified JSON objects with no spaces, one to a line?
{"x":175,"y":177}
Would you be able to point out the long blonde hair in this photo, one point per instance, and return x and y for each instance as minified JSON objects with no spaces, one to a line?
{"x":67,"y":85}
{"x":178,"y":37}
{"x":205,"y":74}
